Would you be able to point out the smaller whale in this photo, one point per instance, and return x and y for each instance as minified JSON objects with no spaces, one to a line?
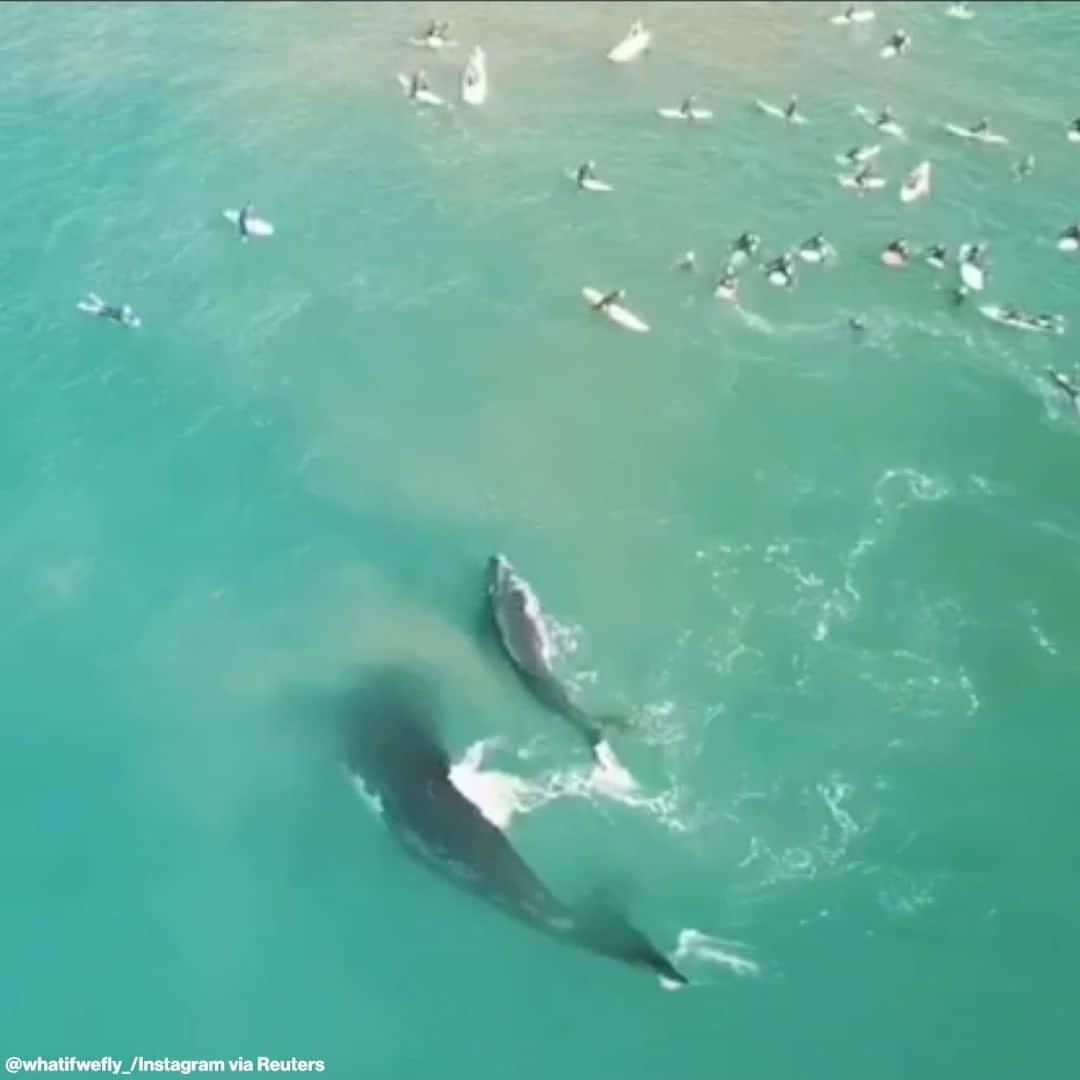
{"x":525,"y":639}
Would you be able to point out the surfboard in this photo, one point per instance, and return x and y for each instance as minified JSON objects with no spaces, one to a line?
{"x":422,"y":97}
{"x":1068,"y":242}
{"x":815,"y":255}
{"x":616,"y":312}
{"x":432,"y":42}
{"x":990,"y":138}
{"x":860,"y":155}
{"x":894,"y":259}
{"x":474,"y":81}
{"x":256,"y":226}
{"x":725,"y":292}
{"x":590,"y":183}
{"x":917,"y":183}
{"x":998,"y":314}
{"x":853,"y":18}
{"x":1073,"y":135}
{"x":631,"y":46}
{"x":974,"y":277}
{"x":890,"y":51}
{"x":678,"y":114}
{"x":871,"y":183}
{"x":775,"y":110}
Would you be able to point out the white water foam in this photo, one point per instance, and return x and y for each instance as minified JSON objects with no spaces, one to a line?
{"x":698,"y":949}
{"x":501,"y":796}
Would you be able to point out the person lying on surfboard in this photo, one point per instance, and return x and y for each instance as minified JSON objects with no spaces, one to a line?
{"x":610,"y":298}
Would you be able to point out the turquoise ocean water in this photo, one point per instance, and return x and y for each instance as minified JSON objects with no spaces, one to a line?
{"x":836,"y":580}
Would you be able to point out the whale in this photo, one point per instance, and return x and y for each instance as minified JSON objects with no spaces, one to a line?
{"x":526,"y":641}
{"x":393,"y":753}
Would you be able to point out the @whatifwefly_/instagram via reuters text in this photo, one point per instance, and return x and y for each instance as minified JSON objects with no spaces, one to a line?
{"x":111,"y":1066}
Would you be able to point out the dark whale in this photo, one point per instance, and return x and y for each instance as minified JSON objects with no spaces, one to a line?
{"x":391,"y":749}
{"x":519,"y":620}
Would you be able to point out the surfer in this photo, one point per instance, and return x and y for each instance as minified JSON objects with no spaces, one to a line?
{"x":585,"y":172}
{"x":981,"y":128}
{"x":726,"y":286}
{"x":686,"y":261}
{"x":896,"y":253}
{"x":613,"y":297}
{"x":1072,"y":233}
{"x":899,"y":42}
{"x":976,"y":255}
{"x":857,"y":323}
{"x":242,"y":217}
{"x":781,"y":270}
{"x":791,"y":110}
{"x":687,"y":107}
{"x":959,"y":294}
{"x":817,"y":247}
{"x":1074,"y":130}
{"x":937,"y":256}
{"x":418,"y":83}
{"x":862,"y":179}
{"x":746,"y":244}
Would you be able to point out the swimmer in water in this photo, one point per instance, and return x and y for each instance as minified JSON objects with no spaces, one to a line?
{"x":1024,"y":167}
{"x":608,"y":299}
{"x":124,"y":314}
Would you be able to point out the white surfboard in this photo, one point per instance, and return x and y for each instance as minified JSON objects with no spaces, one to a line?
{"x":974,"y":277}
{"x":421,"y":97}
{"x":724,"y":291}
{"x":616,"y":312}
{"x":433,"y":41}
{"x":917,"y":183}
{"x":871,"y":183}
{"x":854,"y":17}
{"x":1068,"y":242}
{"x":780,"y":114}
{"x":959,"y":11}
{"x":815,"y":256}
{"x":256,"y":226}
{"x":590,"y":183}
{"x":779,"y":278}
{"x":678,"y":114}
{"x":997,"y":313}
{"x":1073,"y":135}
{"x":890,"y":51}
{"x":860,"y":155}
{"x":631,"y":46}
{"x":990,"y":138}
{"x":474,"y":80}
{"x":894,"y":259}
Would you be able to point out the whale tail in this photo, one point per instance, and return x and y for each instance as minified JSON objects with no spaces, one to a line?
{"x":602,"y":928}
